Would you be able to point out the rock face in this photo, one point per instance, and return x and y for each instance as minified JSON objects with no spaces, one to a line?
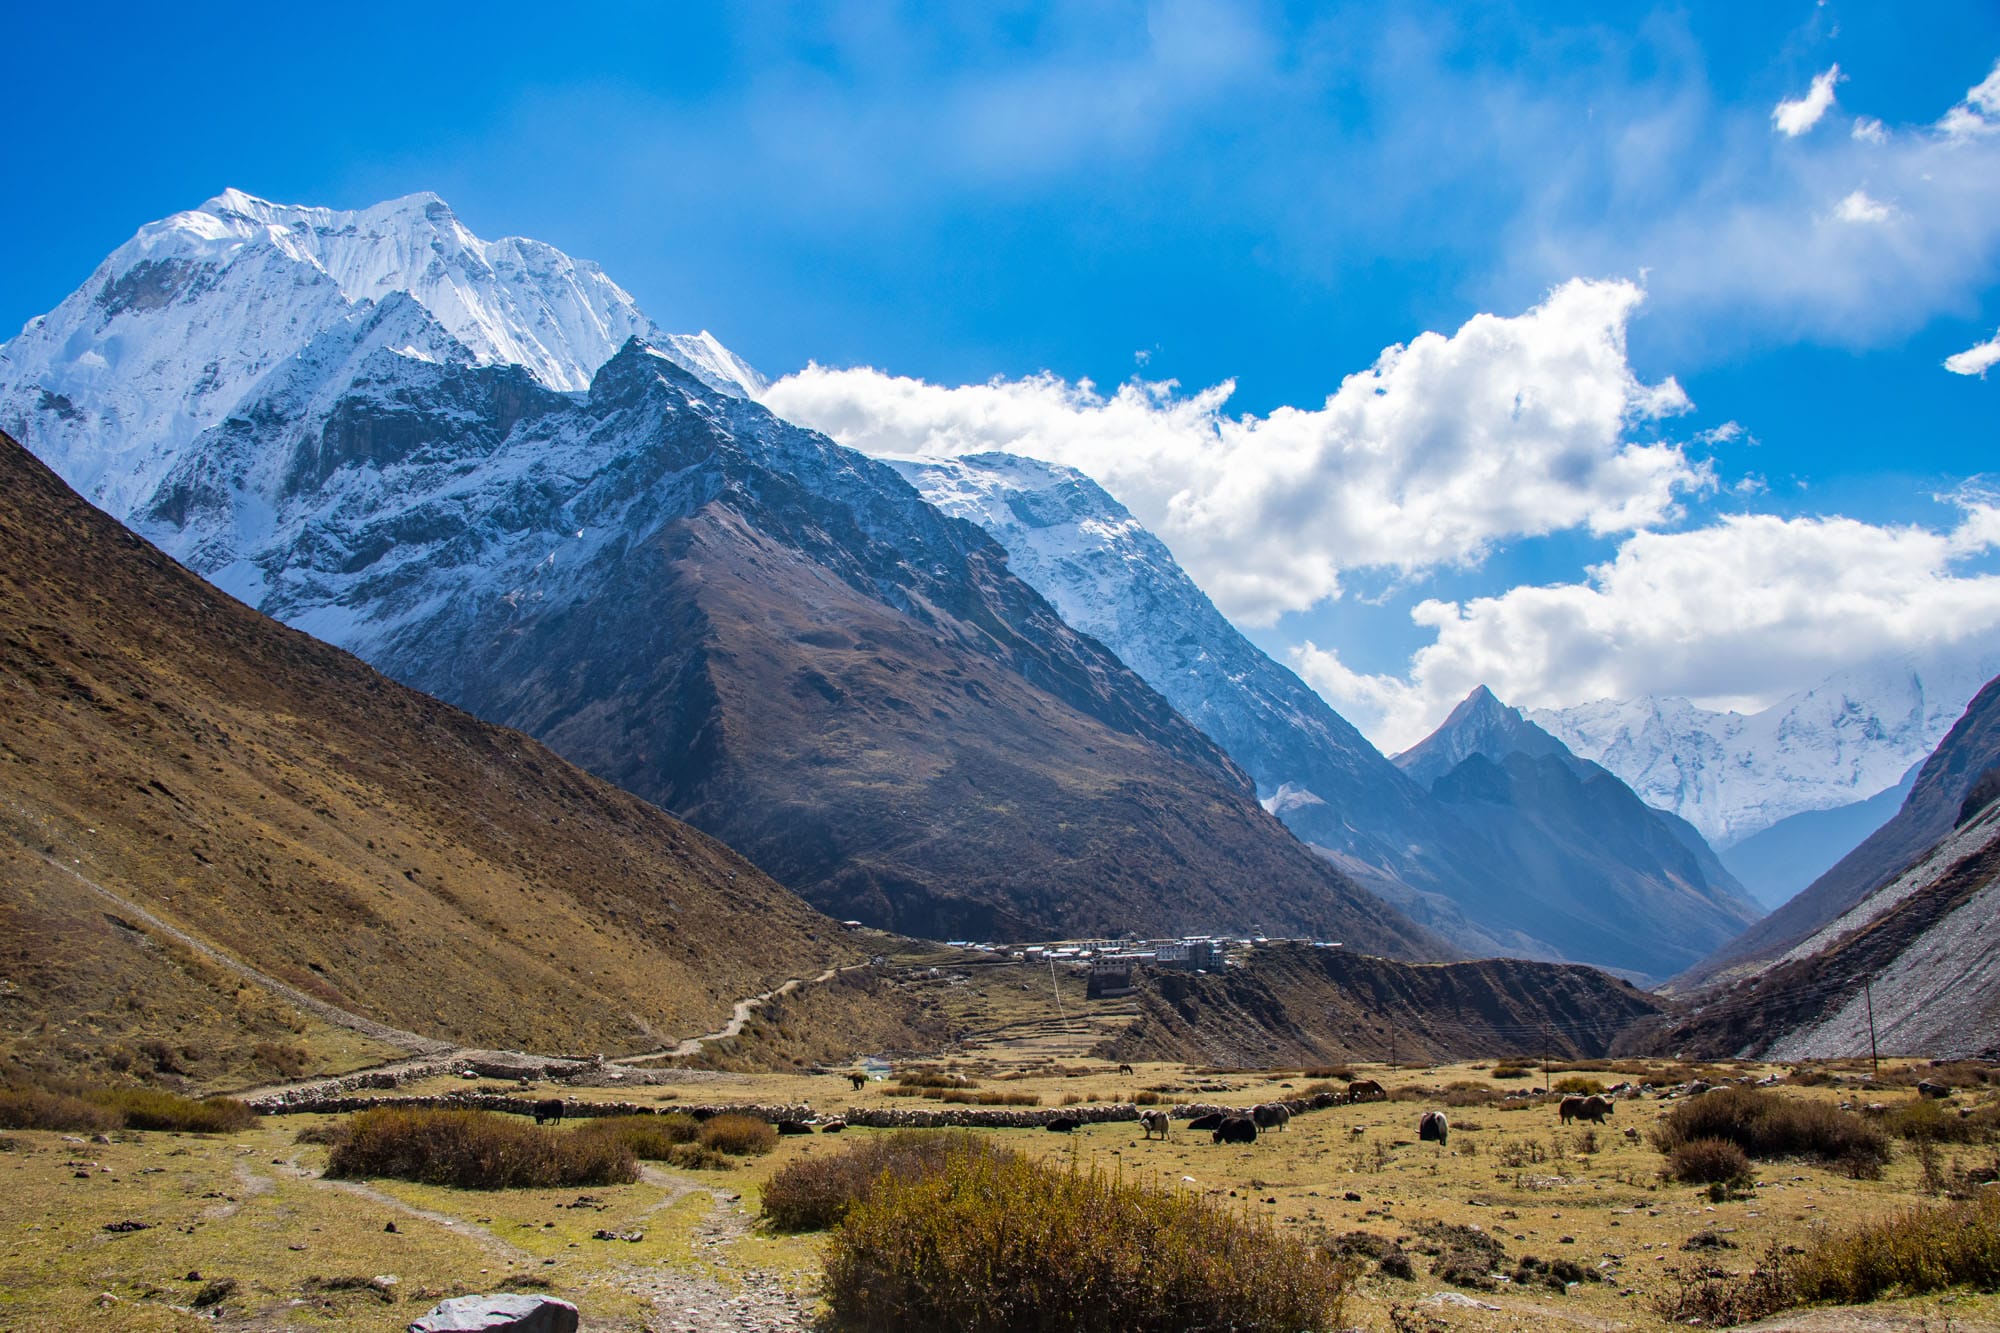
{"x":1606,"y":877}
{"x":732,"y":617}
{"x":1935,"y":804}
{"x":501,"y":1313}
{"x":1731,"y":775}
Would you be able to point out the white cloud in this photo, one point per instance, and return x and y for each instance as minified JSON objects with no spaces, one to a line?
{"x":1793,"y":118}
{"x":1735,"y":614}
{"x":1858,"y":207}
{"x":1511,"y":426}
{"x":1867,"y":129}
{"x":1979,"y":113}
{"x":1975,"y":360}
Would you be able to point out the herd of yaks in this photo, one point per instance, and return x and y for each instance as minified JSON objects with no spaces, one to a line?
{"x":1244,"y":1126}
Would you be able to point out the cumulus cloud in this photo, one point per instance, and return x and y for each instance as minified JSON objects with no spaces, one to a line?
{"x":1793,"y":118}
{"x":1979,"y":113}
{"x":1511,"y":426}
{"x":1858,"y":207}
{"x":1732,"y":614}
{"x":1975,"y":360}
{"x":1867,"y":129}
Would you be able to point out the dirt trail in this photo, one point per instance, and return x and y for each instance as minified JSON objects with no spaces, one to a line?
{"x":737,"y":1300}
{"x":739,"y":1015}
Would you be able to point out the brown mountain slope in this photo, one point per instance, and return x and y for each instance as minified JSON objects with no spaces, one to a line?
{"x":862,"y":756}
{"x":1969,"y":750}
{"x":173,"y":761}
{"x":1295,"y":1004}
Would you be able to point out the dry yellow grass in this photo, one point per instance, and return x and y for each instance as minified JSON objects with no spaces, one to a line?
{"x":1516,"y":1173}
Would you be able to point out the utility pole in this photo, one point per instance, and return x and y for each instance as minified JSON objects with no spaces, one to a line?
{"x":1545,"y":1057}
{"x":1868,"y":995}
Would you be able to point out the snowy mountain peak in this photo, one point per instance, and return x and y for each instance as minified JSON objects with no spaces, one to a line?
{"x":1845,"y":739}
{"x":179,"y":325}
{"x":1481,"y":725}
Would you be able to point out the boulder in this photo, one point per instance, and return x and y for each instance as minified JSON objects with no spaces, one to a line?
{"x":499,"y":1313}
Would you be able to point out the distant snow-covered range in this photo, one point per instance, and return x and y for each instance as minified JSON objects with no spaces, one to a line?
{"x":1732,"y":775}
{"x":117,"y":396}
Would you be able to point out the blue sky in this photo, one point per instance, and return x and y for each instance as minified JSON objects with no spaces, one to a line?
{"x":1210,"y":194}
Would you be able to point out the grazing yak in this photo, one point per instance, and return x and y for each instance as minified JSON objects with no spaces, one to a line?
{"x":1125,"y":1069}
{"x":1433,"y":1129}
{"x":1156,"y":1122}
{"x":859,"y":1081}
{"x":552,"y":1109}
{"x":794,"y":1127}
{"x":1271,"y":1115}
{"x":1366,"y":1090}
{"x":1236,"y":1129}
{"x":1592,"y":1108}
{"x":1209,"y":1121}
{"x":1062,"y":1124}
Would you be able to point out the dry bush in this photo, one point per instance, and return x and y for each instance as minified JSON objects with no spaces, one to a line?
{"x":1925,"y":1249}
{"x":1768,"y":1125}
{"x":699,"y":1157}
{"x":814,"y":1193}
{"x":476,"y":1150}
{"x":650,"y":1138}
{"x":739,"y":1135}
{"x":1466,"y":1092}
{"x":38,"y":1108}
{"x":1146,"y":1097}
{"x":1707,"y":1162}
{"x":988,"y":1244}
{"x":1510,"y":1069}
{"x":1924,"y":1120}
{"x":1704,"y":1295}
{"x":929,"y":1076}
{"x":75,"y":1107}
{"x":1345,"y":1073}
{"x":1577,"y":1084}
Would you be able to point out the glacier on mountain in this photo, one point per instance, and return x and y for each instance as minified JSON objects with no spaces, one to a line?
{"x":1732,"y":775}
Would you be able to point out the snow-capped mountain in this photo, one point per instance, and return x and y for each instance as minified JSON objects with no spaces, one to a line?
{"x":733,"y":617}
{"x":1731,"y":775}
{"x":1596,"y":869}
{"x":178,"y":325}
{"x":1632,"y":888}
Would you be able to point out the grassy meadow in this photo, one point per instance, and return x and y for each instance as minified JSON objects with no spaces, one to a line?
{"x":244,"y":1228}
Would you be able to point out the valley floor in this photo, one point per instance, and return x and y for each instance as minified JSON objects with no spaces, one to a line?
{"x":275,"y":1245}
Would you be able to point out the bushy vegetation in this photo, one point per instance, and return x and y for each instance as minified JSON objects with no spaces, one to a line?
{"x":1767,"y":1125}
{"x":1923,"y":1120}
{"x":1707,"y":1162}
{"x":737,"y":1135}
{"x":1923,"y":1250}
{"x":651,"y":1138}
{"x":1577,"y":1084}
{"x":927,"y":1076}
{"x":1002,"y":1243}
{"x":814,"y":1193}
{"x":477,"y":1150}
{"x":83,"y":1108}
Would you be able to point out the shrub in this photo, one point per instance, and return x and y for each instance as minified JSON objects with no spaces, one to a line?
{"x":651,"y":1138}
{"x":1924,"y":1120}
{"x":1343,"y":1072}
{"x":1000,"y":1243}
{"x":1512,"y":1070}
{"x":1767,"y":1125}
{"x":477,"y":1150}
{"x":38,"y":1108}
{"x":925,"y":1076}
{"x":739,"y":1135}
{"x":699,"y":1157}
{"x":1706,"y":1296}
{"x":1925,"y":1249}
{"x":150,"y":1108}
{"x":85,"y":1108}
{"x":813,"y":1193}
{"x":1577,"y":1083}
{"x":1707,"y":1162}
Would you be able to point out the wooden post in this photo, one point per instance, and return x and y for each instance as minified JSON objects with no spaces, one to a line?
{"x":1868,"y":995}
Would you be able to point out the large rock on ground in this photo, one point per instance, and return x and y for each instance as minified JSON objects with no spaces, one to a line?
{"x":501,"y":1313}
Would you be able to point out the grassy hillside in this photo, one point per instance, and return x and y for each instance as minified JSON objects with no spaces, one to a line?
{"x":191,"y":794}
